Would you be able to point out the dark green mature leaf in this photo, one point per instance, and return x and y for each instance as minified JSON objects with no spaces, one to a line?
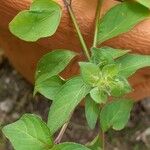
{"x":132,"y":62}
{"x":145,"y":3}
{"x":120,"y":19}
{"x":29,"y":133}
{"x":52,"y":64}
{"x":106,"y":53}
{"x":69,"y":96}
{"x":89,"y":72}
{"x":99,"y":96}
{"x":115,"y":114}
{"x":50,"y":87}
{"x":40,"y":21}
{"x":69,"y":146}
{"x":91,"y":112}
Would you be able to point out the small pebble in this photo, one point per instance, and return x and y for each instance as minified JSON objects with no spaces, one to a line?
{"x":6,"y":106}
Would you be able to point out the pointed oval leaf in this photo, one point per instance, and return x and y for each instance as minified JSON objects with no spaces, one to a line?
{"x":99,"y":96}
{"x":131,"y":63}
{"x":99,"y":54}
{"x":29,"y":133}
{"x":69,"y":96}
{"x":69,"y":146}
{"x":50,"y":87}
{"x":115,"y":114}
{"x":120,"y":19}
{"x":40,"y":21}
{"x":91,"y":112}
{"x":89,"y":72}
{"x":52,"y":64}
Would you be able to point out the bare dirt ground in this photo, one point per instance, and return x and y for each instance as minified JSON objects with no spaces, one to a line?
{"x":16,"y":99}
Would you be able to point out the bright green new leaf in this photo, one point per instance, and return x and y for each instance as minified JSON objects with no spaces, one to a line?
{"x":145,"y":3}
{"x":52,"y":64}
{"x":106,"y":54}
{"x":119,"y":87}
{"x":110,"y":70}
{"x":120,"y":19}
{"x":50,"y":87}
{"x":96,"y":144}
{"x":69,"y":96}
{"x":40,"y":21}
{"x":132,"y":62}
{"x":69,"y":146}
{"x":91,"y":112}
{"x":115,"y":114}
{"x":99,"y":96}
{"x":29,"y":133}
{"x":89,"y":72}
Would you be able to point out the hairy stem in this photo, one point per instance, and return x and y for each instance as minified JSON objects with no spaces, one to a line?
{"x":61,"y":133}
{"x":72,"y":15}
{"x":97,"y":17}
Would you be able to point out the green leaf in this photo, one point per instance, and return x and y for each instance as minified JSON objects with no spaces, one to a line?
{"x":110,"y":70}
{"x":69,"y":146}
{"x":91,"y":112}
{"x":69,"y":96}
{"x":120,"y":19}
{"x":106,"y":54}
{"x":52,"y":64}
{"x":50,"y":87}
{"x":132,"y":62}
{"x":115,"y":114}
{"x":29,"y":133}
{"x":96,"y":144}
{"x":119,"y":87}
{"x":145,"y":3}
{"x":40,"y":21}
{"x":89,"y":72}
{"x":99,"y":96}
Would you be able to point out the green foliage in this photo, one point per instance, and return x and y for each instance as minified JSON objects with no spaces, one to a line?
{"x":120,"y":19}
{"x":132,"y":62}
{"x":89,"y":73}
{"x":41,"y":20}
{"x":50,"y":87}
{"x":96,"y":144}
{"x":115,"y":114}
{"x":98,"y":95}
{"x":145,"y":3}
{"x":105,"y":75}
{"x":50,"y":65}
{"x":105,"y":55}
{"x":29,"y":133}
{"x":69,"y":96}
{"x":91,"y":112}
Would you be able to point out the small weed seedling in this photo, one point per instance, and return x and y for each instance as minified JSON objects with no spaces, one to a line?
{"x":102,"y":82}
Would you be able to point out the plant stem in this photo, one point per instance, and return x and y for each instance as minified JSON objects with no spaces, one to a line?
{"x":102,"y":139}
{"x":72,"y":15}
{"x":61,"y":133}
{"x":97,"y":17}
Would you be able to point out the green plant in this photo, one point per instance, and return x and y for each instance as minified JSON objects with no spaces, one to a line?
{"x":105,"y":74}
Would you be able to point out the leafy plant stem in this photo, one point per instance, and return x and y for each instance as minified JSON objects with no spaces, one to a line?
{"x":82,"y":41}
{"x":61,"y":133}
{"x":97,"y":16}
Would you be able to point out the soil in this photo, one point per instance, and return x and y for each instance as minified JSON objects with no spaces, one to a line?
{"x":16,"y":99}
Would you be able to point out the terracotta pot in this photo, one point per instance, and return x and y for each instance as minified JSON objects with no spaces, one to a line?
{"x":24,"y":55}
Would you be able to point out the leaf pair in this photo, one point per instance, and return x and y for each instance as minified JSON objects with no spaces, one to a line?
{"x":41,"y":20}
{"x":31,"y":133}
{"x":47,"y":80}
